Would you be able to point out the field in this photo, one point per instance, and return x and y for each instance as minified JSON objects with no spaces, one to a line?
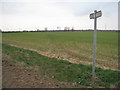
{"x":77,"y":75}
{"x":62,"y":56}
{"x":76,"y":47}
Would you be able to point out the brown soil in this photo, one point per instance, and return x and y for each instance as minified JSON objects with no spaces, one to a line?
{"x":16,"y":75}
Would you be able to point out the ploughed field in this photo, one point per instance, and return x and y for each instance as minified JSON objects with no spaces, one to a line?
{"x":76,"y":47}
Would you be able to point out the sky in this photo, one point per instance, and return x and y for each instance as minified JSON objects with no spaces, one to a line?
{"x":38,"y":14}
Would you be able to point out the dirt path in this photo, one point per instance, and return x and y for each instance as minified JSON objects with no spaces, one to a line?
{"x":63,"y":58}
{"x":17,"y":76}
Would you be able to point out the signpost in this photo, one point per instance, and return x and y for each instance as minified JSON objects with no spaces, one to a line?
{"x":94,"y":16}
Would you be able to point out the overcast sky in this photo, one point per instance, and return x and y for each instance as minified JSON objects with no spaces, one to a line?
{"x":37,"y":14}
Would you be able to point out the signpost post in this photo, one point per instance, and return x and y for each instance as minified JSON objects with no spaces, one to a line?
{"x":94,"y":16}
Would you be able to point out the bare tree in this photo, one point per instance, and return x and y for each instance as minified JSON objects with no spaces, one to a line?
{"x":46,"y":28}
{"x":65,"y":28}
{"x":38,"y":30}
{"x":72,"y":28}
{"x":58,"y":28}
{"x":68,"y":28}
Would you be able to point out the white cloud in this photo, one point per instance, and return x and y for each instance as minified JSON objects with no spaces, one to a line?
{"x":32,"y":14}
{"x":40,"y":15}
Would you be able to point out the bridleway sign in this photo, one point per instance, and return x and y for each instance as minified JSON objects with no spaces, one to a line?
{"x":98,"y":14}
{"x":94,"y":16}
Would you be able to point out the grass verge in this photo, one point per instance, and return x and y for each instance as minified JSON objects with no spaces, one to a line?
{"x":63,"y":70}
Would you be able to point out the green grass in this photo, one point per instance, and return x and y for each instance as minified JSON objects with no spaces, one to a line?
{"x":78,"y":45}
{"x":62,"y":70}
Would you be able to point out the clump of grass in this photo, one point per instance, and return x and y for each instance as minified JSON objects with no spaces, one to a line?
{"x":62,"y":70}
